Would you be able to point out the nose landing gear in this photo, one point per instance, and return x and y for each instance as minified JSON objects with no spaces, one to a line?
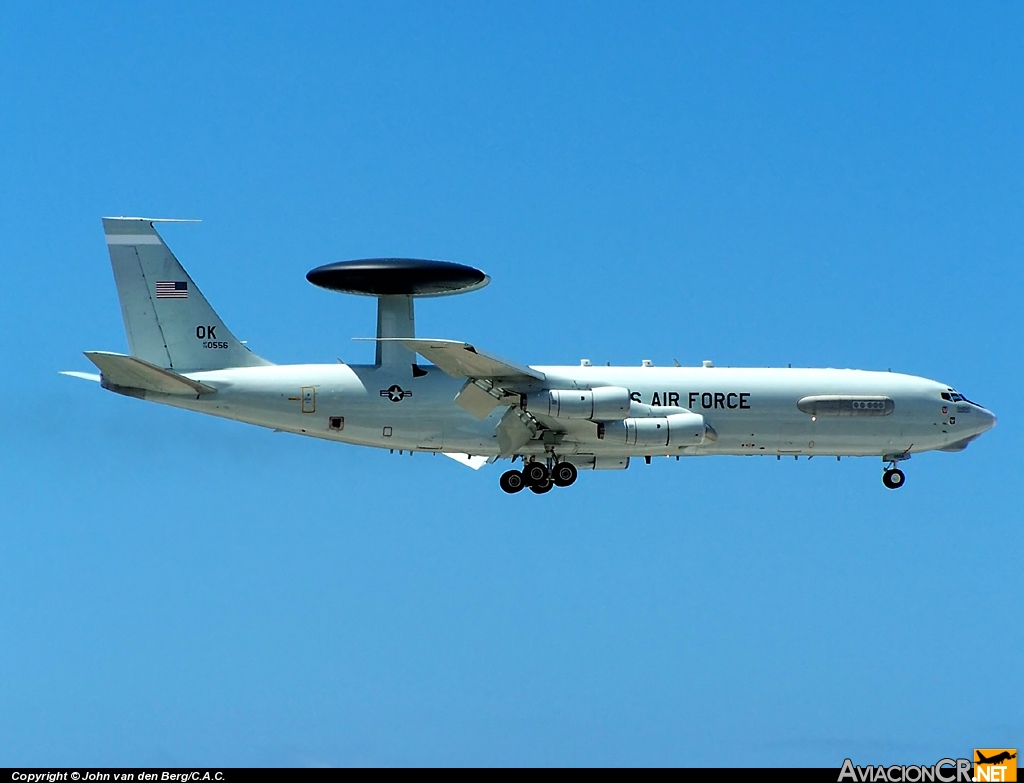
{"x":893,"y":477}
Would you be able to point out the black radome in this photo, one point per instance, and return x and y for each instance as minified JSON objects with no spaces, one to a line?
{"x":398,"y":277}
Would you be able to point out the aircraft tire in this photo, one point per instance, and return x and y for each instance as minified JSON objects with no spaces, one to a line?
{"x":535,"y":473}
{"x":544,"y":486}
{"x":512,"y":481}
{"x":564,"y":474}
{"x":894,"y":479}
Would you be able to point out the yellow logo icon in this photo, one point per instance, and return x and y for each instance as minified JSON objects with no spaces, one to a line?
{"x":995,"y":764}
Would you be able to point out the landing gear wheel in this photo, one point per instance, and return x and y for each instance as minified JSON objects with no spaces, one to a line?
{"x":535,"y":473}
{"x":512,"y":481}
{"x":893,"y":478}
{"x":544,"y":486}
{"x":564,"y":474}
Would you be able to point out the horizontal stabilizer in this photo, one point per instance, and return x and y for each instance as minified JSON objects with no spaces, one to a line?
{"x":131,"y":373}
{"x":85,"y":376}
{"x":462,"y":360}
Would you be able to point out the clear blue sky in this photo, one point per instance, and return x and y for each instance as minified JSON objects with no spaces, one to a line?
{"x":756,"y":184}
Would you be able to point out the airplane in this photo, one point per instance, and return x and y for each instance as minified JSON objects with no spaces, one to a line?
{"x":999,"y":758}
{"x":478,"y":408}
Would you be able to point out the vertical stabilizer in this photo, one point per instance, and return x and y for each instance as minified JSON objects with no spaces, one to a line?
{"x":167,"y":319}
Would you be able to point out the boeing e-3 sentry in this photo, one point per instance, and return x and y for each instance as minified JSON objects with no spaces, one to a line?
{"x":478,"y":408}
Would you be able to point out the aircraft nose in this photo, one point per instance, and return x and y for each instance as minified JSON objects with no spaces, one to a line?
{"x":988,"y":419}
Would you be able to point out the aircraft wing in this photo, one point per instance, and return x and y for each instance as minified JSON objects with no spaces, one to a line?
{"x":490,"y":381}
{"x":462,"y":360}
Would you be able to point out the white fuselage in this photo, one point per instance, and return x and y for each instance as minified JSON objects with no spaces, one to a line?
{"x":752,"y":411}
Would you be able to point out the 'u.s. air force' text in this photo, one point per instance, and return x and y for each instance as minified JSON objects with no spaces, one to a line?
{"x":701,"y":399}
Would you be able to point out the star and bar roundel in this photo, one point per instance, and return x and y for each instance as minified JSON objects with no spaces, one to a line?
{"x":395,"y":393}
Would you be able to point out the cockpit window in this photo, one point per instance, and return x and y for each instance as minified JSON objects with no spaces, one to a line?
{"x":953,"y":396}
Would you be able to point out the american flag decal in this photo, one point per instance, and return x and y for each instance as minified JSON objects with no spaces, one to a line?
{"x":170,"y":289}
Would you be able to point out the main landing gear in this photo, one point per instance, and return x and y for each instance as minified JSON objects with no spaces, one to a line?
{"x":540,"y":478}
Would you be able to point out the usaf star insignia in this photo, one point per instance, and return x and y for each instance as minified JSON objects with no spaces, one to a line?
{"x":395,"y":393}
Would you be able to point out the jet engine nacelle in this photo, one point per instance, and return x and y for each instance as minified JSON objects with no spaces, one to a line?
{"x":675,"y":431}
{"x":605,"y":403}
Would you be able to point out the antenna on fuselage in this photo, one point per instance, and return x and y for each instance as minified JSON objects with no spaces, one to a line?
{"x":396,"y":282}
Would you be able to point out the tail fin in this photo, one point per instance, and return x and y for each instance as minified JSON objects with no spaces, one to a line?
{"x":168,"y":320}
